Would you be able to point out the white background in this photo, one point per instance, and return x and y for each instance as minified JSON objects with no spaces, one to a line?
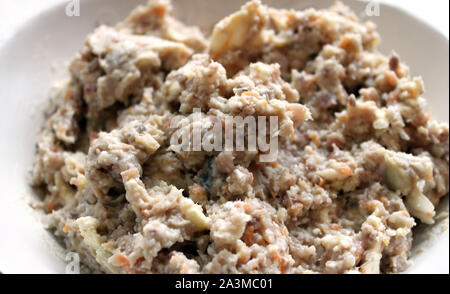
{"x":14,"y":13}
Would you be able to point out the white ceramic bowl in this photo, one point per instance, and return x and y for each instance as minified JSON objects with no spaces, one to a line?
{"x":37,"y":54}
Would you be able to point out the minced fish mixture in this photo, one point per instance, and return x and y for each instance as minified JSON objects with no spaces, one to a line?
{"x":360,"y":162}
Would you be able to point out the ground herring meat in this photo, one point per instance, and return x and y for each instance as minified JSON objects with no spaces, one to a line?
{"x":360,"y":160}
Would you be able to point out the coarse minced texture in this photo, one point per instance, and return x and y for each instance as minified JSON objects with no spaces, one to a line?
{"x":360,"y":161}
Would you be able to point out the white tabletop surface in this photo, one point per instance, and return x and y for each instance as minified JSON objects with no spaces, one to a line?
{"x":14,"y":13}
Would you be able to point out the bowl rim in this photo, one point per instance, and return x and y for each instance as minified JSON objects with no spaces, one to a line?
{"x":9,"y":41}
